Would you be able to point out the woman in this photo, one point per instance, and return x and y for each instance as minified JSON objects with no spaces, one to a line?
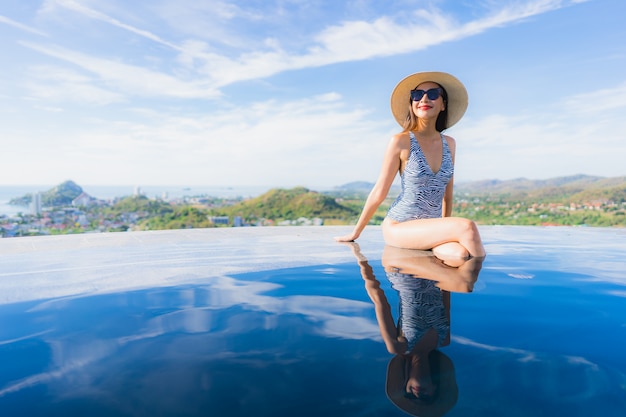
{"x":424,"y":104}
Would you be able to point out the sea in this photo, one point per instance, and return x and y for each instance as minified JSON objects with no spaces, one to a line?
{"x":110,"y":192}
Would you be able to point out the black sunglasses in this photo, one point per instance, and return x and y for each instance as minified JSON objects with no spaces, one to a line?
{"x":432,"y":94}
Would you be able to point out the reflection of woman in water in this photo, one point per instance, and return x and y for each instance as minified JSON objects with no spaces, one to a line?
{"x":420,"y":379}
{"x":423,"y":326}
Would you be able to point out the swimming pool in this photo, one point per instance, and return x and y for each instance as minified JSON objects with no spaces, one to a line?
{"x":284,"y":321}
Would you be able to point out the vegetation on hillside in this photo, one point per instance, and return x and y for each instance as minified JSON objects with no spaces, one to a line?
{"x":578,"y":200}
{"x":575,"y":201}
{"x":61,"y":195}
{"x":140,"y":204}
{"x":576,"y":189}
{"x":185,"y":217}
{"x":288,"y":204}
{"x":274,"y":206}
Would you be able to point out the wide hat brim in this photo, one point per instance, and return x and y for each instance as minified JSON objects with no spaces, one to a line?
{"x":447,"y":395}
{"x":457,"y":95}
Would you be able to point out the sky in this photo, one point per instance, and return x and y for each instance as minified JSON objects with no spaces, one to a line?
{"x":288,"y":93}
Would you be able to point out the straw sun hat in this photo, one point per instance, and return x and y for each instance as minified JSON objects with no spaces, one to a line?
{"x":447,"y":388}
{"x":457,"y":95}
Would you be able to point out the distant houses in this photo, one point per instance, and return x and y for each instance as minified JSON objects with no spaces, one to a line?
{"x":219,"y":220}
{"x":83,"y":200}
{"x":302,"y":221}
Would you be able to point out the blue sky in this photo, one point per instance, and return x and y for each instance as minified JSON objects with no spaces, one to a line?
{"x":293,"y":92}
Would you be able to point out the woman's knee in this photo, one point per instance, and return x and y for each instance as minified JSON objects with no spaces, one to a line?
{"x":468,"y":229}
{"x":470,"y":238}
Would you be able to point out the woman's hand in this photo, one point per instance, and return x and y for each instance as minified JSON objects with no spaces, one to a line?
{"x":347,"y":238}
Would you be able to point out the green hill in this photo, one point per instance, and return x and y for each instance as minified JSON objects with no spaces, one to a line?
{"x":616,"y":194}
{"x":576,"y":188}
{"x":288,"y":204}
{"x":58,"y":196}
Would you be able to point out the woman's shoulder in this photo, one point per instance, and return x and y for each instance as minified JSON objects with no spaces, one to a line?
{"x":451,"y":145}
{"x":451,"y":141}
{"x":404,"y":134}
{"x":402,"y":138}
{"x":448,"y":139}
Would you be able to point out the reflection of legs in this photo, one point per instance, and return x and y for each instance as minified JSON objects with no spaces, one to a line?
{"x":422,"y":264}
{"x":448,"y":237}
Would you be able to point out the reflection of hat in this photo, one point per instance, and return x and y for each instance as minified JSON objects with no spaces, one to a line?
{"x":457,"y":95}
{"x":447,"y":389}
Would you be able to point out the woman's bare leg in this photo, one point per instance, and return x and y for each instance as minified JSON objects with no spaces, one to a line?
{"x":447,"y":237}
{"x":422,"y":264}
{"x":452,"y":253}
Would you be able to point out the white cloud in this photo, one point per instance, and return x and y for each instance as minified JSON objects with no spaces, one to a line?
{"x":148,"y":56}
{"x":210,"y":21}
{"x":130,"y":79}
{"x":553,"y":143}
{"x":287,"y":144}
{"x":347,"y":41}
{"x":265,"y":143}
{"x":597,"y":101}
{"x":60,"y":84}
{"x":360,"y":40}
{"x":94,"y":14}
{"x":21,"y":26}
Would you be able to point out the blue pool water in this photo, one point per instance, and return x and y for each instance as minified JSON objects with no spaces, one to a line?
{"x":284,"y":321}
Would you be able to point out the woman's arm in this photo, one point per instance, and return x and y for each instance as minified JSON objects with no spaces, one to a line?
{"x":388,"y":329}
{"x":390,"y":167}
{"x":448,"y":195}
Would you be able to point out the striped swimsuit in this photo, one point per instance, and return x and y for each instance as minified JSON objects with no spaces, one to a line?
{"x":421,"y":196}
{"x":421,"y":308}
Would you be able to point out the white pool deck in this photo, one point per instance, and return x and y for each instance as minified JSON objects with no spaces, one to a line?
{"x":36,"y":268}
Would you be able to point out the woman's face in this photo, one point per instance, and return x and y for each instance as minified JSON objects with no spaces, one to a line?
{"x":427,"y":108}
{"x":419,"y":383}
{"x":421,"y":387}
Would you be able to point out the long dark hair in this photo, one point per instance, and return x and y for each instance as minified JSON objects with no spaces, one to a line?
{"x":410,"y":121}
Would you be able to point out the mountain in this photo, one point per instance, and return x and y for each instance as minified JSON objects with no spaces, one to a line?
{"x":525,"y":185}
{"x":291,"y":204}
{"x":575,"y":188}
{"x":357,"y":190}
{"x":572,"y":188}
{"x":61,"y":195}
{"x":355,"y":186}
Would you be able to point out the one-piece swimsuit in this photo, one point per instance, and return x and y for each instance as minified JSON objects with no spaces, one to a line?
{"x":422,"y":190}
{"x":421,"y":308}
